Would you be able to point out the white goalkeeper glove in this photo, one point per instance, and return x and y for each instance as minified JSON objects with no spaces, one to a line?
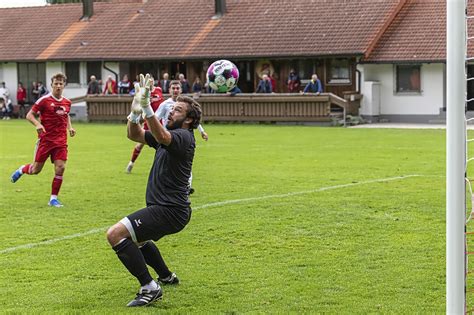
{"x":136,"y":113}
{"x":142,"y":95}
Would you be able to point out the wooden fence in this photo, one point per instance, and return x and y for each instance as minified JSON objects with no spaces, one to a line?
{"x":240,"y":108}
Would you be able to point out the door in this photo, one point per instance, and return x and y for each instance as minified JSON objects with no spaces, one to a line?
{"x":29,"y":72}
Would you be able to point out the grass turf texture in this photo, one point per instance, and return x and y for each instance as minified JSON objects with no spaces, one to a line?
{"x":366,"y":248}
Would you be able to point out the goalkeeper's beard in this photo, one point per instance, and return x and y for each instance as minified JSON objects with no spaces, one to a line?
{"x":176,"y":124}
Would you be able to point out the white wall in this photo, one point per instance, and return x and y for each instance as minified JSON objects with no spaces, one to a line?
{"x":51,"y":69}
{"x":428,"y":102}
{"x":113,"y":66}
{"x":9,"y":75}
{"x":71,"y":90}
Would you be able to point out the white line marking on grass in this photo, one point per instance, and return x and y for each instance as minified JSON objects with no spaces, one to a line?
{"x":221,"y":203}
{"x":51,"y":241}
{"x":213,"y":204}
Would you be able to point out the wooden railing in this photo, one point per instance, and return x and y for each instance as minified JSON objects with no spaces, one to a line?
{"x":240,"y":108}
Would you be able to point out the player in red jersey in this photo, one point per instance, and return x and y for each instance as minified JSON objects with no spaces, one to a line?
{"x":53,"y":126}
{"x":156,"y":100}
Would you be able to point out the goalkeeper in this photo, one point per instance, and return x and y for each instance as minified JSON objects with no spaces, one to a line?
{"x":167,"y":208}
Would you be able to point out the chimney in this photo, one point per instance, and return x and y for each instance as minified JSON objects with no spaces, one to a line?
{"x":87,"y":9}
{"x":220,"y":9}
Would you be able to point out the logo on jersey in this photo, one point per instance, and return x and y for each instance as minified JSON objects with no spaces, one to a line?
{"x":138,"y":222}
{"x":60,"y":110}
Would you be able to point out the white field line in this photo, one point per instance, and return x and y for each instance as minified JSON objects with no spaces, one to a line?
{"x":213,"y":204}
{"x":51,"y":241}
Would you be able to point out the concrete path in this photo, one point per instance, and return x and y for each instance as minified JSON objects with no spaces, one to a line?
{"x":405,"y":126}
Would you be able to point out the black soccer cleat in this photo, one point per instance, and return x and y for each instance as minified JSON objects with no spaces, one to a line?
{"x":146,"y":297}
{"x":191,"y":191}
{"x":171,"y":279}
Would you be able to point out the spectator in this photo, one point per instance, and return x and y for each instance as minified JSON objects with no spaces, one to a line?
{"x":132,"y":90}
{"x":42,"y":89}
{"x":4,"y":92}
{"x":110,"y":86}
{"x":235,"y":90}
{"x":294,"y":82}
{"x":197,"y":85}
{"x":124,"y":85}
{"x":93,"y":86}
{"x":34,"y":92}
{"x":6,"y":108}
{"x":313,"y":86}
{"x":165,"y":83}
{"x":265,"y":85}
{"x":207,"y":88}
{"x":184,"y":83}
{"x":21,"y":99}
{"x":274,"y":80}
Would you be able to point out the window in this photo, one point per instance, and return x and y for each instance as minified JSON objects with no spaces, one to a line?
{"x":408,"y":78}
{"x":94,"y":68}
{"x":72,"y":72}
{"x":306,"y":68}
{"x":339,"y":71}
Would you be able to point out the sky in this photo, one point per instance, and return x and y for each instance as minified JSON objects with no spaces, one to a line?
{"x":20,"y":3}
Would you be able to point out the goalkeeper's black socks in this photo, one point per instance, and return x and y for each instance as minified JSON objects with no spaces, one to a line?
{"x":154,"y":259}
{"x":132,"y":258}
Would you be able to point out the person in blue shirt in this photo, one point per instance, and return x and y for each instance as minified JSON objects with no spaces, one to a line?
{"x":235,"y":90}
{"x":313,"y":86}
{"x":265,"y":85}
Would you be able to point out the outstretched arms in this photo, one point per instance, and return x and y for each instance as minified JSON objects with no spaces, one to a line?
{"x":141,"y":107}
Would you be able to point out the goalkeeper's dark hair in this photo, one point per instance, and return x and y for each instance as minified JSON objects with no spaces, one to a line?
{"x":193,"y":111}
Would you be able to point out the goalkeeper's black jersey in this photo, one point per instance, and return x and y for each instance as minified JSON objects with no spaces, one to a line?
{"x":169,"y":176}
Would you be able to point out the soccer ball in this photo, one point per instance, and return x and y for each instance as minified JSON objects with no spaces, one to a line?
{"x":222,"y":76}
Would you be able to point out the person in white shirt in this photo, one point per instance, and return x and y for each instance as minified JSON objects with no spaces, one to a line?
{"x":4,"y":92}
{"x":164,"y":110}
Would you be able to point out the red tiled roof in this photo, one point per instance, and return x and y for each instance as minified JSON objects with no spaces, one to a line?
{"x":418,"y":33}
{"x":184,"y":29}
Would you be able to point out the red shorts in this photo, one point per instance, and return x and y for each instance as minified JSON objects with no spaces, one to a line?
{"x":44,"y":150}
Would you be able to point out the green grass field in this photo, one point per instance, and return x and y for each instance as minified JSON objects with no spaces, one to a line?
{"x":287,"y":219}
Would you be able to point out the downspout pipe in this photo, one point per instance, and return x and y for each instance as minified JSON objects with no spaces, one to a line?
{"x":110,"y":70}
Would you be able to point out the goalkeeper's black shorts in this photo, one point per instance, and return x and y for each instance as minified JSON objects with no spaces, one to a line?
{"x":154,"y":222}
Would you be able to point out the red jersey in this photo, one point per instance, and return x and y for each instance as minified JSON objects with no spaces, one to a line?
{"x":21,"y":94}
{"x":156,"y":98}
{"x":54,"y":115}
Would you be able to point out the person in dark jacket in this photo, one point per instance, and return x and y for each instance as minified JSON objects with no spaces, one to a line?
{"x":313,"y":86}
{"x":235,"y":90}
{"x":265,"y":85}
{"x":93,"y":86}
{"x":294,"y":82}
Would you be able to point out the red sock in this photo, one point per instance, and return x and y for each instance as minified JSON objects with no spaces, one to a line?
{"x":135,"y":154}
{"x":26,"y":169}
{"x":57,"y":181}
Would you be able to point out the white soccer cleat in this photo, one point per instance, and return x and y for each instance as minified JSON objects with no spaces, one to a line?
{"x":129,"y":167}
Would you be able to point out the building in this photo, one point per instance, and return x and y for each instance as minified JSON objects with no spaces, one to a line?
{"x":374,"y":47}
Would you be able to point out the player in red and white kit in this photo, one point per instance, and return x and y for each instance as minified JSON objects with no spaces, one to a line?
{"x":54,"y":124}
{"x":156,"y":99}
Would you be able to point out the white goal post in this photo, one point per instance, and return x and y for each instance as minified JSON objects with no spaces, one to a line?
{"x":455,"y":155}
